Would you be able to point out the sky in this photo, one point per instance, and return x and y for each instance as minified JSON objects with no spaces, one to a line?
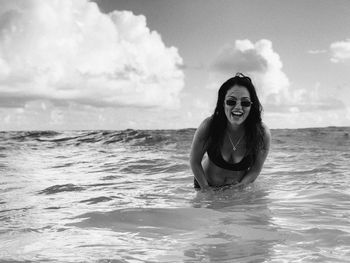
{"x":158,"y":64}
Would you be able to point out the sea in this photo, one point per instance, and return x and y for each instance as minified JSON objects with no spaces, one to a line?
{"x":128,"y":196}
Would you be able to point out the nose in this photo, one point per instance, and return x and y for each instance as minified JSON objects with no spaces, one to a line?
{"x":238,"y":105}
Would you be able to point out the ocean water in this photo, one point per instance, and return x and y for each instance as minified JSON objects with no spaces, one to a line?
{"x":127,"y":196}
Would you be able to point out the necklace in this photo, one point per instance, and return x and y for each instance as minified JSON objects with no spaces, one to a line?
{"x":234,"y":146}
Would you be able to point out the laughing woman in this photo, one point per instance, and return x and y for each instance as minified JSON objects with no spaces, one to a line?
{"x":230,"y":147}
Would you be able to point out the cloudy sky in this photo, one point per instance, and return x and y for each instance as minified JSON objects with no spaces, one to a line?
{"x":157,"y":64}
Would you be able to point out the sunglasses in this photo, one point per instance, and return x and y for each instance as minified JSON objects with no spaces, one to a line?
{"x":244,"y":103}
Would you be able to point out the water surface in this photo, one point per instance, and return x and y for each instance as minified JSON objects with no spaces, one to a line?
{"x":127,"y":196}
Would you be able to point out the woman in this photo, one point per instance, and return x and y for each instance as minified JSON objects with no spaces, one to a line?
{"x":234,"y":138}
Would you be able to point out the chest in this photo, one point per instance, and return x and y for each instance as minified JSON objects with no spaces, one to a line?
{"x":231,"y":155}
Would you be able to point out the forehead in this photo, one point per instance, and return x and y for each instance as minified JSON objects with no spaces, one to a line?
{"x":238,"y":92}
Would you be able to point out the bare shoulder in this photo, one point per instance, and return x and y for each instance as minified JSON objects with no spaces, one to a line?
{"x":200,"y":141}
{"x":267,"y":136}
{"x":203,"y":129}
{"x":267,"y":131}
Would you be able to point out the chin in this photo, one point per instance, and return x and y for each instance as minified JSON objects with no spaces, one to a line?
{"x":237,"y":122}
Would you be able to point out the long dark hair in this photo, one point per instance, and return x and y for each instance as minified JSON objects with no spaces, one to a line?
{"x":254,"y":130}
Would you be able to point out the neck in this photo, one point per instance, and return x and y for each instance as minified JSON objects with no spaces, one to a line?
{"x":236,"y":129}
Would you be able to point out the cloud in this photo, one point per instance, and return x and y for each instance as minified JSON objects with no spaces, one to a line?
{"x":257,"y":60}
{"x":264,"y":65}
{"x":296,"y":119}
{"x":69,"y":51}
{"x":340,"y":51}
{"x":242,"y":56}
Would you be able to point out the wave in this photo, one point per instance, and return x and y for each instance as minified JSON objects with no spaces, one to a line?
{"x":138,"y":137}
{"x":61,"y":188}
{"x":149,"y":219}
{"x":96,"y":200}
{"x":29,"y":135}
{"x":328,"y":138}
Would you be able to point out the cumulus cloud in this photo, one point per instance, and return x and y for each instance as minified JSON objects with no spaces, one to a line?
{"x":69,"y":51}
{"x":242,"y":56}
{"x":258,"y":60}
{"x":340,"y":51}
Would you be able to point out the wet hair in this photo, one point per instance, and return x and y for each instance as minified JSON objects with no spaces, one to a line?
{"x":254,"y":130}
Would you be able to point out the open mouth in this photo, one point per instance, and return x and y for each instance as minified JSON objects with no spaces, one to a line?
{"x":237,"y":114}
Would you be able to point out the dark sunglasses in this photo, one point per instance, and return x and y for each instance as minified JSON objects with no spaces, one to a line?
{"x":244,"y":103}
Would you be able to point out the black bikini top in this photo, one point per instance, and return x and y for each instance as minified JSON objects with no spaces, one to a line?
{"x":215,"y":156}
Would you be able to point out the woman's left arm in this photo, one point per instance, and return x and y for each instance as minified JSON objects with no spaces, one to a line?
{"x":255,"y":170}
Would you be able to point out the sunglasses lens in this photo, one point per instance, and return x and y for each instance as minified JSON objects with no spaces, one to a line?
{"x":231,"y":103}
{"x":246,"y":103}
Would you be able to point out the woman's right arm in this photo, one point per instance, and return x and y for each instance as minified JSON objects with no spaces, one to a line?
{"x":198,"y":149}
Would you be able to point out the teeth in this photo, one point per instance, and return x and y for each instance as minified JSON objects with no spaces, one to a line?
{"x":237,"y":113}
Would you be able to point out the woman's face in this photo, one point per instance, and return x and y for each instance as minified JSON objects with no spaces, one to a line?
{"x":235,"y":113}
